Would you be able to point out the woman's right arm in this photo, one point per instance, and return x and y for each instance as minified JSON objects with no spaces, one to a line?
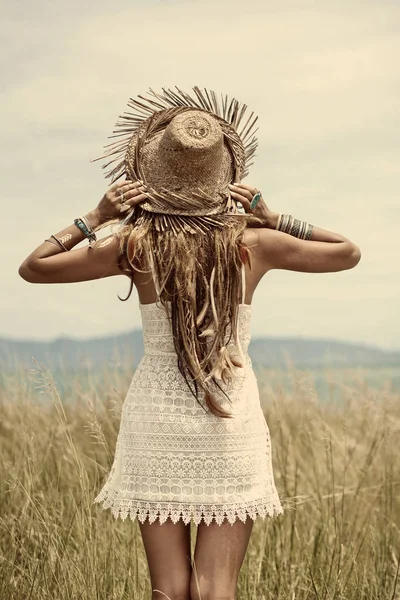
{"x":324,"y":252}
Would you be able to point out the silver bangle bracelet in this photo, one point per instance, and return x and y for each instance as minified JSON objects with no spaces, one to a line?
{"x":310,"y":229}
{"x":300,"y":229}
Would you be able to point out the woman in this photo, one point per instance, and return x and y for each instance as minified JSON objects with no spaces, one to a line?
{"x":193,"y":441}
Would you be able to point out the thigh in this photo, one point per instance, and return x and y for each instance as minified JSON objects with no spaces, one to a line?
{"x":167,"y":549}
{"x":218,"y":557}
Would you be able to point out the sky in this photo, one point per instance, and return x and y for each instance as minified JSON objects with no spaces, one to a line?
{"x":322,"y":78}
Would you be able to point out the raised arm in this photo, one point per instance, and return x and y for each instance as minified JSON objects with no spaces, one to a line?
{"x":55,"y":262}
{"x":324,"y":252}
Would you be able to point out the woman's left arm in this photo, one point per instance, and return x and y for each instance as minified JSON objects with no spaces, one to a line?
{"x":49,"y":263}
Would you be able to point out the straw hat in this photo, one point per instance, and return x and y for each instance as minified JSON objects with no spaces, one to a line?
{"x":186,"y":150}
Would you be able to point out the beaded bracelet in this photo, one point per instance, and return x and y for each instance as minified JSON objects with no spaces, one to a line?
{"x":83,"y":224}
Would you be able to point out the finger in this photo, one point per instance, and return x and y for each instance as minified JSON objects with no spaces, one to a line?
{"x":135,"y":200}
{"x":119,"y":184}
{"x":133,"y":192}
{"x":122,"y":193}
{"x":129,"y":204}
{"x":115,"y":186}
{"x":127,"y":186}
{"x":247,"y":189}
{"x":242,"y":191}
{"x":244,"y":186}
{"x":240,"y":198}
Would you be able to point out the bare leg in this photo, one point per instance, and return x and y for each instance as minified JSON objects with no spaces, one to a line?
{"x":167,"y":549}
{"x":218,"y":557}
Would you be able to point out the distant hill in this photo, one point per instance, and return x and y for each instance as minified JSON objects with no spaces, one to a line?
{"x":71,"y":354}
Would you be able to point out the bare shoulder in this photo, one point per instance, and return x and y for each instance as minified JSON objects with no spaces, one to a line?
{"x":252,"y":239}
{"x":109,"y":248}
{"x":274,"y":249}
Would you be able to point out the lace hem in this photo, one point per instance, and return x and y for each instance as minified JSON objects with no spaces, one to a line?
{"x":269,"y":506}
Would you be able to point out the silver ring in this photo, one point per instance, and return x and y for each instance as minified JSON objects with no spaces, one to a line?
{"x":122,"y":197}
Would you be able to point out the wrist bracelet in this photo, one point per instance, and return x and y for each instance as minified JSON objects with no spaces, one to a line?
{"x":292,"y":226}
{"x":296,"y":228}
{"x":83,"y":224}
{"x":284,"y":227}
{"x":88,"y":225}
{"x":57,"y":242}
{"x":53,"y":242}
{"x":309,"y":231}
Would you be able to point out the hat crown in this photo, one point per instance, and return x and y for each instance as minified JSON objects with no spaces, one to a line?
{"x":192,"y":131}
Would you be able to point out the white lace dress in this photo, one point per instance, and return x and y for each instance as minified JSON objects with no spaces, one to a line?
{"x":175,"y":460}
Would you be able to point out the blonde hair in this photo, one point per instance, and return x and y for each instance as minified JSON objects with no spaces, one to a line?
{"x":199,"y":273}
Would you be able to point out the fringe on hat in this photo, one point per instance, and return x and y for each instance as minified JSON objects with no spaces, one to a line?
{"x":230,"y":112}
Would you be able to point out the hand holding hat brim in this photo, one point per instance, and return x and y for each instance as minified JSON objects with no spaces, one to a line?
{"x":120,"y":198}
{"x":245,"y":194}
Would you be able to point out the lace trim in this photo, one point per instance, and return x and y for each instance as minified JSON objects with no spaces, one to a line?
{"x":176,"y":511}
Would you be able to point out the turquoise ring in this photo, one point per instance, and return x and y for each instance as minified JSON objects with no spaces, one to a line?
{"x":255,"y":200}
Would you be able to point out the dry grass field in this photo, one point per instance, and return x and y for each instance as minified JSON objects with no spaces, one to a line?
{"x":336,"y":467}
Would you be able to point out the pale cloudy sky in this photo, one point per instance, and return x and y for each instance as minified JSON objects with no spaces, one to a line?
{"x":323,"y":78}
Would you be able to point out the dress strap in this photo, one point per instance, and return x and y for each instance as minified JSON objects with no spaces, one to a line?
{"x":237,"y":333}
{"x":243,"y":282}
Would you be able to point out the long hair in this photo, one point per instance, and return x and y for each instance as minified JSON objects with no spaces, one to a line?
{"x":199,"y":276}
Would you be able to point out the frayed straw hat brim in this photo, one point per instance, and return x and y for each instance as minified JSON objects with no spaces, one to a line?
{"x":199,"y":171}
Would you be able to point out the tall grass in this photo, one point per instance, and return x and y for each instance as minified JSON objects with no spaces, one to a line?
{"x":336,"y":467}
